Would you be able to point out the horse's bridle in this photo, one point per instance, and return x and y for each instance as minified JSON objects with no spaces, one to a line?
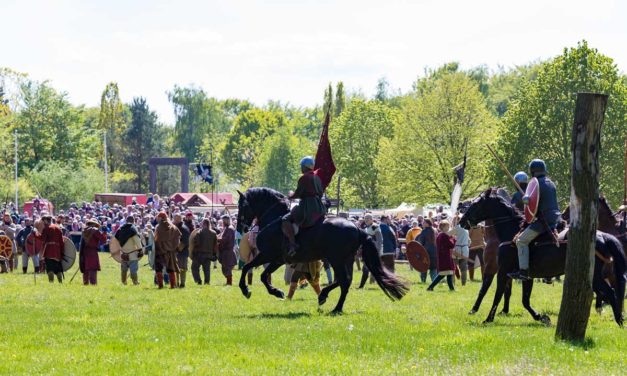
{"x":499,"y":220}
{"x":269,"y":210}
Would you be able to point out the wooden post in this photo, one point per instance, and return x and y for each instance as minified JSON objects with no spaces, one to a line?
{"x":584,"y":201}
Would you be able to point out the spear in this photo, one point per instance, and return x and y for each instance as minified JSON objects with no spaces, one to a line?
{"x":505,"y":170}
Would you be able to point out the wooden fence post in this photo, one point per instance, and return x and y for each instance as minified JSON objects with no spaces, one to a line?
{"x":584,"y":201}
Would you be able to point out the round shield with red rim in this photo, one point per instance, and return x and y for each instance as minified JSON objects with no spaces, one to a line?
{"x":533,"y":192}
{"x":418,"y":256}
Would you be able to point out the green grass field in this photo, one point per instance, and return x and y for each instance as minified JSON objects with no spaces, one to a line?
{"x":213,"y":330}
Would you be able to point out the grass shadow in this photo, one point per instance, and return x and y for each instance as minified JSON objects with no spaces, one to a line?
{"x":587,"y":344}
{"x":285,"y":316}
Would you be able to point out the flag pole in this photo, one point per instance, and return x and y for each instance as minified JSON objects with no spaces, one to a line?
{"x":106,"y":166}
{"x":17,"y":206}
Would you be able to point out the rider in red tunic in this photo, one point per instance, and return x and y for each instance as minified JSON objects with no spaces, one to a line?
{"x":310,"y":209}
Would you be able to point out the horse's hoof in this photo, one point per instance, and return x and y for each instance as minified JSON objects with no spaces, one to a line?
{"x":599,"y":310}
{"x":472,"y":311}
{"x":279,"y":294}
{"x":336,"y":312}
{"x":546,"y":320}
{"x":248,"y":294}
{"x":487,"y":321}
{"x":321,"y":300}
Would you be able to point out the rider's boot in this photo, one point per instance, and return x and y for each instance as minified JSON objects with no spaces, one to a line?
{"x":288,"y":231}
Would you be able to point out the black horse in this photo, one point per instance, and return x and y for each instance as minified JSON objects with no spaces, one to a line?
{"x":335,"y":239}
{"x":546,"y":259}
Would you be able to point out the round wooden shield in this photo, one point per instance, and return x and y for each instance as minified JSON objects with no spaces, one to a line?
{"x":418,"y":256}
{"x":69,"y":254}
{"x":192,"y":236}
{"x":115,"y":249}
{"x":6,"y":247}
{"x":33,"y":244}
{"x":244,"y":248}
{"x":533,"y":192}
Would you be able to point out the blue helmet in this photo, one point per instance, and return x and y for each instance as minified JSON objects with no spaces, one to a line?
{"x":308,"y":162}
{"x":537,"y":167}
{"x":521,"y":177}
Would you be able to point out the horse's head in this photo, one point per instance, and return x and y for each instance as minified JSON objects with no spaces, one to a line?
{"x":245,"y":214}
{"x":490,"y":204}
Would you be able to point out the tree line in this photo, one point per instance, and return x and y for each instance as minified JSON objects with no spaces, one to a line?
{"x":389,"y":148}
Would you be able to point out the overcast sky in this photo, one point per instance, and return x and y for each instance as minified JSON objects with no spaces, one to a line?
{"x":286,"y":50}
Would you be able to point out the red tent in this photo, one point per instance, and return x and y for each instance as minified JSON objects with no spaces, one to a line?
{"x":121,"y":198}
{"x":44,"y":205}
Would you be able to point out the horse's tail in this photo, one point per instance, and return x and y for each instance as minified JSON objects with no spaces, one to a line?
{"x":615,"y":248}
{"x":391,"y":285}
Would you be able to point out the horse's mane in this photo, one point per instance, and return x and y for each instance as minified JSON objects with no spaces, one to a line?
{"x":512,"y":210}
{"x":264,"y":194}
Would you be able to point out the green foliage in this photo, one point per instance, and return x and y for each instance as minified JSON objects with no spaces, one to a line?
{"x":539,"y":122}
{"x":383,"y":90}
{"x":49,"y":127}
{"x":355,"y":138}
{"x":328,"y":100}
{"x":340,"y":99}
{"x":246,"y":139}
{"x":112,"y":121}
{"x":416,"y":165}
{"x":277,"y":164}
{"x":144,"y":138}
{"x":197,"y":117}
{"x":64,"y":182}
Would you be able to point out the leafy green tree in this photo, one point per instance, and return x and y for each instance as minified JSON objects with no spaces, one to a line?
{"x":246,"y":139}
{"x":382,"y":93}
{"x":504,"y":83}
{"x":355,"y":138}
{"x":64,"y":183}
{"x":328,"y":99}
{"x":143,"y":139}
{"x":416,"y":165}
{"x":49,"y":127}
{"x":112,"y":120}
{"x":340,"y":99}
{"x":277,"y":164}
{"x":197,"y":117}
{"x":539,"y":121}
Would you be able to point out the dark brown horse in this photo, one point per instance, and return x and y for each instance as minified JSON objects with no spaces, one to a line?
{"x":606,"y":222}
{"x":490,"y":259}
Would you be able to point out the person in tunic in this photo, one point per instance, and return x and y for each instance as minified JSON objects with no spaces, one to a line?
{"x":182,"y":255}
{"x":167,"y":239}
{"x":310,"y":209}
{"x":446,"y":266}
{"x":309,"y":271}
{"x":88,"y":261}
{"x":205,"y":250}
{"x":11,"y":231}
{"x":427,"y":239}
{"x":52,"y":253}
{"x":462,"y":250}
{"x":132,"y":250}
{"x":226,"y":249}
{"x":477,"y":245}
{"x":20,"y":239}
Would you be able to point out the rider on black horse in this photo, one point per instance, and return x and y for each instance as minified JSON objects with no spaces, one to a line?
{"x":310,"y":209}
{"x":547,"y":217}
{"x":521,"y":179}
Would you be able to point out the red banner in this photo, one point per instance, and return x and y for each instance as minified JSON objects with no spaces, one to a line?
{"x":325,"y":167}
